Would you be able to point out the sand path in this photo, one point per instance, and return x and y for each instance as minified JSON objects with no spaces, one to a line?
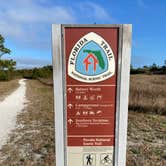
{"x":9,"y":108}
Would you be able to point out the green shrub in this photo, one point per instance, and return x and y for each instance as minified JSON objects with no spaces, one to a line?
{"x":44,"y":72}
{"x":4,"y":76}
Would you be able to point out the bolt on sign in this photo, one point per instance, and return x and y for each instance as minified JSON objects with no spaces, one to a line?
{"x":91,"y":82}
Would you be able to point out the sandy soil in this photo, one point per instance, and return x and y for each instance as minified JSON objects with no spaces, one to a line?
{"x":9,"y":108}
{"x":31,"y":143}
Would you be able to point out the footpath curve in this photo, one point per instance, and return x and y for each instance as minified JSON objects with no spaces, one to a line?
{"x":9,"y":109}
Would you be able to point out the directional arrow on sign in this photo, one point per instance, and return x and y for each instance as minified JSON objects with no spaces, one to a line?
{"x":70,"y":106}
{"x":70,"y":121}
{"x":70,"y":90}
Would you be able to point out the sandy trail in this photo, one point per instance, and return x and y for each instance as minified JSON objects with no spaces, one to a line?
{"x":9,"y":108}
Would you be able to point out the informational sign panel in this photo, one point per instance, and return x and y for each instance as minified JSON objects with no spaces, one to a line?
{"x":88,"y":72}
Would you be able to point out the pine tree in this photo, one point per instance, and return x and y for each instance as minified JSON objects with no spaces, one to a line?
{"x":3,"y":49}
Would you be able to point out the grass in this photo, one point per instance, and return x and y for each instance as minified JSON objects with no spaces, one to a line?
{"x":6,"y":87}
{"x":148,"y":94}
{"x":46,"y":81}
{"x":32,"y":143}
{"x":146,"y":140}
{"x":147,"y":121}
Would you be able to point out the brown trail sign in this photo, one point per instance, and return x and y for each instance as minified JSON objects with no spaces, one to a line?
{"x":91,"y":83}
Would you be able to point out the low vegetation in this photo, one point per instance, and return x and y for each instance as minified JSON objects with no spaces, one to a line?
{"x":146,"y":140}
{"x":32,"y":143}
{"x":147,"y":121}
{"x":7,"y":87}
{"x":153,"y":69}
{"x":148,"y":94}
{"x":44,"y":72}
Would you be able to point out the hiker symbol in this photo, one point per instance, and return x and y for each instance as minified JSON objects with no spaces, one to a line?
{"x":89,"y":160}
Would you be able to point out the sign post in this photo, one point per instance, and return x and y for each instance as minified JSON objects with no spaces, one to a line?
{"x":91,"y":84}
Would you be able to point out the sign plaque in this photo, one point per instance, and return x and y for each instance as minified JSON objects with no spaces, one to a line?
{"x":91,"y":82}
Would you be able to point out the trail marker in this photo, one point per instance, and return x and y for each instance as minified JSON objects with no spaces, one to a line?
{"x":91,"y":84}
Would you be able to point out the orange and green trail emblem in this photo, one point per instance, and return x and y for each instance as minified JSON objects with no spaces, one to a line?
{"x":87,"y":62}
{"x":91,"y":59}
{"x":99,"y":57}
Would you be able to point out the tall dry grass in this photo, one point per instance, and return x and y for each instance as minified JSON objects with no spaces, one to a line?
{"x":148,"y":93}
{"x":7,"y":87}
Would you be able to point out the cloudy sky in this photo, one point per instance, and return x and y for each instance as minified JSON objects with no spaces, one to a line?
{"x":26,"y":26}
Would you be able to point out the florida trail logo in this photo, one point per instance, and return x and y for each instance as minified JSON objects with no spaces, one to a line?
{"x":91,"y":59}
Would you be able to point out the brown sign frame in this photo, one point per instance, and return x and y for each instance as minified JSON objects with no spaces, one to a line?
{"x":124,"y":52}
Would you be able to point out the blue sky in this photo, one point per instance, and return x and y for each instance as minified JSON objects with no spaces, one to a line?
{"x":26,"y":26}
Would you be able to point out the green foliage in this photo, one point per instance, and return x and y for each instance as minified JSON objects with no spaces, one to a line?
{"x":6,"y":66}
{"x":3,"y":49}
{"x":153,"y":69}
{"x":6,"y":69}
{"x":4,"y":76}
{"x":44,"y":72}
{"x":137,"y":71}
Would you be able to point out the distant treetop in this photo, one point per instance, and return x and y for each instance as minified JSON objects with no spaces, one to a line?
{"x":3,"y":49}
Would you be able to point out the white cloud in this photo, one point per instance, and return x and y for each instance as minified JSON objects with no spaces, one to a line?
{"x":29,"y":62}
{"x":95,"y":11}
{"x":141,"y":3}
{"x":29,"y":23}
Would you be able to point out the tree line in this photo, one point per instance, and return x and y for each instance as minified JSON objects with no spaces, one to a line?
{"x":152,"y":69}
{"x":8,"y":69}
